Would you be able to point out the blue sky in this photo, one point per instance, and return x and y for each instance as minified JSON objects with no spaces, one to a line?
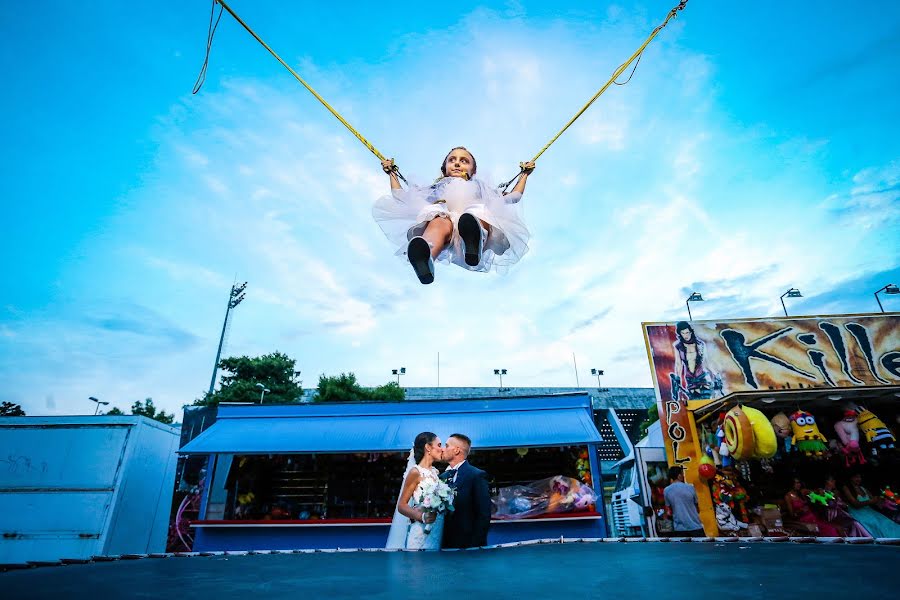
{"x":754,"y":150}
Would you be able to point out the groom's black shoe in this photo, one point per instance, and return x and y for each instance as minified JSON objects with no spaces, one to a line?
{"x":472,"y":236}
{"x":419,"y":254}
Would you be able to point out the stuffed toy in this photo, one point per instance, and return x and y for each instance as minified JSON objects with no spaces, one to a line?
{"x":807,"y":437}
{"x":820,"y":497}
{"x":726,"y":520}
{"x":847,"y":430}
{"x":707,"y":468}
{"x":781,"y":424}
{"x":724,"y":453}
{"x":749,"y":434}
{"x":878,"y":436}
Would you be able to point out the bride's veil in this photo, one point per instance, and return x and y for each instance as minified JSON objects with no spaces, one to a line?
{"x":399,"y":526}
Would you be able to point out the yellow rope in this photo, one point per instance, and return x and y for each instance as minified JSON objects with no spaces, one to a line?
{"x":358,"y":135}
{"x":615,"y":76}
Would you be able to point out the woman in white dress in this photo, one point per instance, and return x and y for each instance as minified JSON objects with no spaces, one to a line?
{"x":457,"y":219}
{"x":408,"y":528}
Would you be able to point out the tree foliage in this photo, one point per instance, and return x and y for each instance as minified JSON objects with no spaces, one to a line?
{"x":114,"y":412}
{"x":275,"y":371}
{"x":147,"y":409}
{"x":345,"y":388}
{"x":8,"y":409}
{"x":652,"y":417}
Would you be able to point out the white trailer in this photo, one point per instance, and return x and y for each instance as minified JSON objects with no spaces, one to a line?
{"x":81,"y":486}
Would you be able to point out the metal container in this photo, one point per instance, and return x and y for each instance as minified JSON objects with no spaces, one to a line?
{"x":76,"y":487}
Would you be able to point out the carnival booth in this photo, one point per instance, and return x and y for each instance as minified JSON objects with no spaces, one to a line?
{"x":327,"y":475}
{"x":784,"y":426}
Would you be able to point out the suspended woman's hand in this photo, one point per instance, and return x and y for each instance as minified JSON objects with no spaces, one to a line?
{"x":527,"y":167}
{"x":388,"y":166}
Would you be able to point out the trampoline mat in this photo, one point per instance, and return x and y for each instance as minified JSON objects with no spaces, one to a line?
{"x":592,"y":570}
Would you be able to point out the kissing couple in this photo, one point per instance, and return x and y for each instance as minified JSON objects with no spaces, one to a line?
{"x":441,"y":510}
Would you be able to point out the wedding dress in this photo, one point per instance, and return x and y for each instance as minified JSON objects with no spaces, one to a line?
{"x":406,"y":534}
{"x":404,"y":214}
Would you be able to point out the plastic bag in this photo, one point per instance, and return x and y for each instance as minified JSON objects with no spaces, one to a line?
{"x":558,"y":494}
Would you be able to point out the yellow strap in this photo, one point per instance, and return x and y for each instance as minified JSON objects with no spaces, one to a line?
{"x":358,"y":135}
{"x":615,"y":76}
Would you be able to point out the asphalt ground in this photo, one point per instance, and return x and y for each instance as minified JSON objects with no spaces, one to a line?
{"x":577,"y":570}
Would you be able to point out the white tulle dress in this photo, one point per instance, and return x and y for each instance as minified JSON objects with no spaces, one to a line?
{"x":405,"y":213}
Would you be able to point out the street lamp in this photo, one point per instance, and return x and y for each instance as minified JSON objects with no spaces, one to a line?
{"x":99,"y":402}
{"x":598,"y":373}
{"x":694,"y":297}
{"x":263,"y":393}
{"x":791,"y":293}
{"x":889,"y":289}
{"x":500,"y":373}
{"x":398,"y":373}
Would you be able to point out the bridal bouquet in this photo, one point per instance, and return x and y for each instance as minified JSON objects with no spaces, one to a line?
{"x":433,"y":496}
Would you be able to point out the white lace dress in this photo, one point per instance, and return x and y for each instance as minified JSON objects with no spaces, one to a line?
{"x":404,"y":214}
{"x":416,"y":537}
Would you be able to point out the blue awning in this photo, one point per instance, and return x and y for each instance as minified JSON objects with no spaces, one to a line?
{"x":515,"y":423}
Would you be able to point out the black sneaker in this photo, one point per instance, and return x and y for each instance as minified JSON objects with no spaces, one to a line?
{"x":471,"y":234}
{"x":419,"y":254}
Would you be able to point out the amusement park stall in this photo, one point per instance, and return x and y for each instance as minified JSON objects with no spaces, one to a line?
{"x":785,"y":426}
{"x":327,"y":475}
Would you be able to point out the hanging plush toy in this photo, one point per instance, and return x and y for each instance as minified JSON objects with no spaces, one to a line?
{"x":807,"y":437}
{"x":847,"y":430}
{"x":877,"y":434}
{"x":781,"y":424}
{"x":724,"y":454}
{"x":707,"y":468}
{"x":749,"y":434}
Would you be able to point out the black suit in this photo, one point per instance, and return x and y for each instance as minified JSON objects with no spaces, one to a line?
{"x":467,"y":526}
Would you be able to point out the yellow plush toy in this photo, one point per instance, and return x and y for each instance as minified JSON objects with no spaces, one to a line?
{"x":807,"y":437}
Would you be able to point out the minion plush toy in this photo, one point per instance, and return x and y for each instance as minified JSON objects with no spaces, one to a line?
{"x":807,"y":437}
{"x":877,"y":434}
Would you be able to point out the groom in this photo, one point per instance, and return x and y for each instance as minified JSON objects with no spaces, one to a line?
{"x":467,"y":525}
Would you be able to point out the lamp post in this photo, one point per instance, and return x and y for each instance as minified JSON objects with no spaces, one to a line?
{"x":98,"y":402}
{"x":598,"y":373}
{"x":791,"y":293}
{"x":398,"y":373}
{"x":263,"y":393}
{"x":500,"y":373}
{"x":890,"y":289}
{"x":234,"y":298}
{"x":694,"y":297}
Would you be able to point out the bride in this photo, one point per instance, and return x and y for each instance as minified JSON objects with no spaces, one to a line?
{"x":408,"y":527}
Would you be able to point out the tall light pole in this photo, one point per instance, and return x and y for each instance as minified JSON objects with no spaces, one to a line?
{"x":264,"y":390}
{"x":889,"y":289}
{"x":694,"y":297}
{"x":500,"y":373}
{"x":99,"y":402}
{"x":398,"y":373}
{"x":598,"y":373}
{"x":234,"y":298}
{"x":791,"y":293}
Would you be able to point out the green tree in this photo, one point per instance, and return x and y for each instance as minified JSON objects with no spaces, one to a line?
{"x":652,"y":417}
{"x":147,"y":409}
{"x":8,"y":409}
{"x":276,"y":371}
{"x":114,"y":412}
{"x":345,"y":388}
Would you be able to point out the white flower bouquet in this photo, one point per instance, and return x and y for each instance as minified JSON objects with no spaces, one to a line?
{"x":434,"y":497}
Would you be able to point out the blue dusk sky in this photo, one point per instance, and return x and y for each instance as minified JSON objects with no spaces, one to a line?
{"x":755,"y":149}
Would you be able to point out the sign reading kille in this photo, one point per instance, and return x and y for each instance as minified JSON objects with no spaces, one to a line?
{"x":703,"y":366}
